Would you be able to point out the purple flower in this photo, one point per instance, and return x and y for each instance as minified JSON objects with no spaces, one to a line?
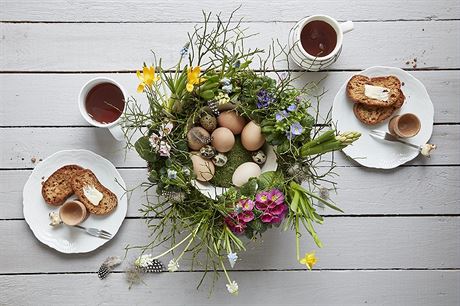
{"x":276,"y":196}
{"x":264,"y":98}
{"x":236,"y":225}
{"x":272,"y":206}
{"x":292,"y":108}
{"x":296,"y":129}
{"x":281,"y":115}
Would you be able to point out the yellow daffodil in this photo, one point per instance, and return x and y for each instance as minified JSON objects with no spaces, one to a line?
{"x":309,"y":260}
{"x":193,"y":78}
{"x":147,"y":78}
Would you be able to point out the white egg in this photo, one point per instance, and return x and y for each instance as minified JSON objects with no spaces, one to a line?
{"x":244,"y":172}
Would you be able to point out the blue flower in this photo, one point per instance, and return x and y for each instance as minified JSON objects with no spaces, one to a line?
{"x":225,"y":81}
{"x":296,"y":129}
{"x":237,"y":64}
{"x":292,"y":108}
{"x":227,"y":88}
{"x":281,"y":115}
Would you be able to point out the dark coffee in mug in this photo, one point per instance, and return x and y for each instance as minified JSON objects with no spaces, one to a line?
{"x":318,"y":38}
{"x":105,"y":103}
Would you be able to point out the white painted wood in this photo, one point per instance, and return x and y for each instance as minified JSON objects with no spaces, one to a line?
{"x":408,"y":190}
{"x":20,"y":145}
{"x":252,"y":10}
{"x":349,"y":243}
{"x":329,"y":288}
{"x":19,"y":107}
{"x":124,"y":46}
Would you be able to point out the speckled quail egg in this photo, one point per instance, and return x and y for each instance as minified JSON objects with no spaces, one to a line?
{"x":259,"y":157}
{"x":219,"y":160}
{"x":209,"y":122}
{"x":207,"y":152}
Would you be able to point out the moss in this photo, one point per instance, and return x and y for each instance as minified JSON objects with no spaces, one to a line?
{"x":237,"y":156}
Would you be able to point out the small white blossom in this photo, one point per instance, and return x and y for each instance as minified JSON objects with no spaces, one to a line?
{"x":143,"y":261}
{"x":427,"y":148}
{"x":173,"y":266}
{"x":232,"y":257}
{"x":155,"y":141}
{"x":172,"y":174}
{"x":165,"y":129}
{"x":232,"y":288}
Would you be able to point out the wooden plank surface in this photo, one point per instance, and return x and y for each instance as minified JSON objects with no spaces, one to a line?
{"x":252,"y":10}
{"x":349,"y":243}
{"x":125,"y":46}
{"x":19,"y":107}
{"x":329,"y":288}
{"x":22,"y":145}
{"x":404,"y":191}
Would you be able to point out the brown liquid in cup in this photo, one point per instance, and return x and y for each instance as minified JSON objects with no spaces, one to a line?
{"x":73,"y":213}
{"x":407,"y":125}
{"x":105,"y":103}
{"x":318,"y":38}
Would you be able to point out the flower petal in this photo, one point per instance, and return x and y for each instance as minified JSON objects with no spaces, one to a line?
{"x":189,"y":87}
{"x":140,"y":88}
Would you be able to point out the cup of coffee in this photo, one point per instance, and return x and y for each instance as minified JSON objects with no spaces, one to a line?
{"x":404,"y":126}
{"x":316,"y":41}
{"x":73,"y":213}
{"x":102,"y":101}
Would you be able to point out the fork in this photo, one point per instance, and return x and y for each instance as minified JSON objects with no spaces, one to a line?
{"x":95,"y":232}
{"x":387,"y":136}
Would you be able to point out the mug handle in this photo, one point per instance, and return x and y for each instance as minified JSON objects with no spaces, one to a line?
{"x":117,"y":132}
{"x":346,"y":26}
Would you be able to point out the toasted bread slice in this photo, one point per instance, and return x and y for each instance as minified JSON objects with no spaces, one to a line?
{"x":57,"y":188}
{"x":372,"y":114}
{"x":356,"y":90}
{"x":84,"y":179}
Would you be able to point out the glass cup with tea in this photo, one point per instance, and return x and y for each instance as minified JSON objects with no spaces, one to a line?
{"x":316,"y":41}
{"x":101,"y":102}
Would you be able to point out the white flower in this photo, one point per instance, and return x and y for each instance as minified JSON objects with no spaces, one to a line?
{"x":427,"y":148}
{"x":173,"y":266}
{"x":144,"y":260}
{"x":164,"y":149}
{"x":172,"y":174}
{"x":232,"y":288}
{"x":232,"y":257}
{"x":186,"y":171}
{"x":155,"y":141}
{"x":55,"y":218}
{"x":165,"y":129}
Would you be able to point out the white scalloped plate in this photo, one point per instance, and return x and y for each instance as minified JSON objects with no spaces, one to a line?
{"x":382,"y":154}
{"x":63,"y":238}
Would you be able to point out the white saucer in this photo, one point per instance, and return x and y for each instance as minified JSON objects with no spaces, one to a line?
{"x":382,"y":154}
{"x":63,"y":238}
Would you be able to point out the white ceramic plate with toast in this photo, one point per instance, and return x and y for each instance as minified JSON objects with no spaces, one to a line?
{"x":64,"y":238}
{"x":375,"y":153}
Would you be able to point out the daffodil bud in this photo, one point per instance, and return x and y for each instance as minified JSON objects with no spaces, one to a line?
{"x":427,"y":148}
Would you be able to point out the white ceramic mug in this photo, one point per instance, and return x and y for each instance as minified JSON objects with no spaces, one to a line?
{"x":308,"y":61}
{"x":114,"y":127}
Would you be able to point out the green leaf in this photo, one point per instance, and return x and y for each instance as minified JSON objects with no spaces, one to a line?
{"x":270,"y":179}
{"x":144,"y":149}
{"x":250,"y":188}
{"x":207,"y":95}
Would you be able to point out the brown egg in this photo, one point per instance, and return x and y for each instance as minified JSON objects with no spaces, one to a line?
{"x":222,"y":139}
{"x":232,"y":121}
{"x":252,"y":137}
{"x":204,"y":169}
{"x":197,"y":138}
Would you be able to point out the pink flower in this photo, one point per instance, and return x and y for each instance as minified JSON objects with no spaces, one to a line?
{"x":246,"y":204}
{"x":234,"y":224}
{"x":164,"y":149}
{"x":154,"y":141}
{"x":246,"y":216}
{"x":272,"y":206}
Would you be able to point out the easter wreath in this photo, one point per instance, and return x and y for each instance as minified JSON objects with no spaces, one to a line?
{"x":231,"y":151}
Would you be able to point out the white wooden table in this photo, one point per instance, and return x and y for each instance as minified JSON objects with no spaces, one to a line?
{"x":398,"y":241}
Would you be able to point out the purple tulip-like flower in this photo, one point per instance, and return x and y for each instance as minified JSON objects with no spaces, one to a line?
{"x":281,"y":116}
{"x":296,"y":129}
